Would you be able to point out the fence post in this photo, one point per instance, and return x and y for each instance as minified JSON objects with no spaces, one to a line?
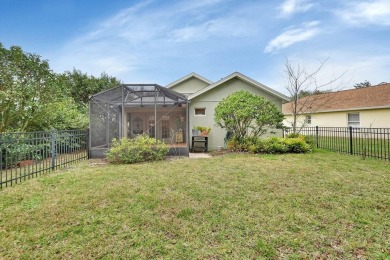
{"x":350,"y":141}
{"x":53,"y":149}
{"x":317,"y":135}
{"x":1,"y":162}
{"x":88,"y":144}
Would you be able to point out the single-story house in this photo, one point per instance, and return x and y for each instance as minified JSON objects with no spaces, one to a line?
{"x":167,"y":113}
{"x":362,"y":107}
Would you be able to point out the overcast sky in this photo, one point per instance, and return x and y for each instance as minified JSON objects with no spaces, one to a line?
{"x":161,"y":41}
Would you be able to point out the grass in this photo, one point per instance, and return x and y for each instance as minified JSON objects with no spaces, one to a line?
{"x":368,"y":147}
{"x":374,"y":144}
{"x":320,"y":205}
{"x":14,"y":173}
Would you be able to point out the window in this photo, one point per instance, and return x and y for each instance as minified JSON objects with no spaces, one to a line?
{"x":200,"y":111}
{"x":353,"y":119}
{"x":308,"y":120}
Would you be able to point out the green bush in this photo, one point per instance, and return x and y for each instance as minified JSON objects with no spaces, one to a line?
{"x":251,"y":144}
{"x":270,"y":145}
{"x":275,"y":145}
{"x":308,"y":139}
{"x":12,"y":153}
{"x":257,"y":146}
{"x":140,"y":149}
{"x":293,"y":135}
{"x":236,"y":145}
{"x":296,"y":145}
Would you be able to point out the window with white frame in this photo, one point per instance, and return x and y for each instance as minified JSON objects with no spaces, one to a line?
{"x":354,"y":119}
{"x":200,"y":111}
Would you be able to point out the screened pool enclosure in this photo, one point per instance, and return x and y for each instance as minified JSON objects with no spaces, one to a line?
{"x":136,"y":109}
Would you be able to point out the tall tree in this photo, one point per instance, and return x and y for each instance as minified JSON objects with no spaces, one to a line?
{"x":300,"y":81}
{"x":32,"y":97}
{"x":26,"y":87}
{"x":80,"y":86}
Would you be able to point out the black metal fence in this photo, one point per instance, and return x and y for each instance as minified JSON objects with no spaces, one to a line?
{"x":366,"y":142}
{"x":27,"y":155}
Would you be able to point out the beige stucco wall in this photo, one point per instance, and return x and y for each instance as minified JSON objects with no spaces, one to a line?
{"x":189,"y":86}
{"x":210,"y":100}
{"x":376,"y":118}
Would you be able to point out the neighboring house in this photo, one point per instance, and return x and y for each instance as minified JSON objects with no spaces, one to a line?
{"x":167,"y":113}
{"x":204,"y":96}
{"x":363,"y":107}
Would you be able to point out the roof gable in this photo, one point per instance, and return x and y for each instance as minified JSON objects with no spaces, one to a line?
{"x":191,"y":75}
{"x":243,"y":78}
{"x":353,"y":99}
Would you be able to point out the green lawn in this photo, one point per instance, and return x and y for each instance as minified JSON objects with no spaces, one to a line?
{"x":323,"y":205}
{"x":377,"y":148}
{"x":373,"y":145}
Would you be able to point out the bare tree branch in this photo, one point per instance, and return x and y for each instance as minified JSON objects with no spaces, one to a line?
{"x":299,"y":80}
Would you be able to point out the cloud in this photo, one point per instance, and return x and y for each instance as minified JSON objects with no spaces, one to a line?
{"x":149,"y":36}
{"x":293,"y":35}
{"x":290,"y":7}
{"x":194,"y":5}
{"x":226,"y":27}
{"x":367,"y":13}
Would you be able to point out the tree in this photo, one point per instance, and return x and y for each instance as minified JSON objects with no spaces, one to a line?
{"x":33,"y":98}
{"x":306,"y":93}
{"x":364,"y":84}
{"x":63,"y":114}
{"x":26,"y":87}
{"x":246,"y":114}
{"x":299,"y":81}
{"x":80,"y":86}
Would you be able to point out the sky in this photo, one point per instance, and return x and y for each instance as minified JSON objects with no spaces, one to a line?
{"x":153,"y":41}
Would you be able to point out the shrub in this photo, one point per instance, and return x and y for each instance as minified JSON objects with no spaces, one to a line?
{"x":275,"y":145}
{"x":253,"y":149}
{"x":140,"y":149}
{"x":244,"y":144}
{"x":296,"y":145}
{"x":232,"y":144}
{"x":293,"y":135}
{"x":257,"y":145}
{"x":13,"y":153}
{"x":308,"y":139}
{"x":269,"y":145}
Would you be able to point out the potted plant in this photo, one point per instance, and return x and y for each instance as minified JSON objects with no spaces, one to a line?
{"x":204,"y":131}
{"x":195,"y":131}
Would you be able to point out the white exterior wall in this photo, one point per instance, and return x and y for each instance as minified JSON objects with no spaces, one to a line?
{"x":210,"y":100}
{"x":375,"y":118}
